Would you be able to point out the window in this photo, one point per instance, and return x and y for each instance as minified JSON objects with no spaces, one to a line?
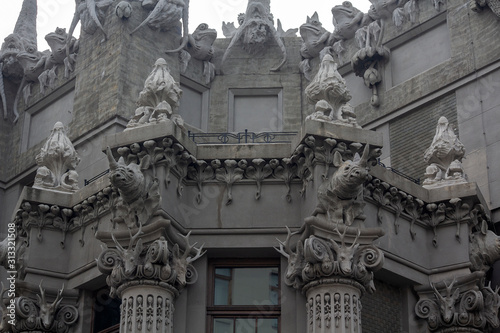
{"x":257,"y":110}
{"x":106,"y":312}
{"x":193,"y":106}
{"x":244,"y":296}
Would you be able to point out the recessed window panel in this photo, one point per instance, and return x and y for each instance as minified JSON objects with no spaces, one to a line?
{"x":246,"y":286}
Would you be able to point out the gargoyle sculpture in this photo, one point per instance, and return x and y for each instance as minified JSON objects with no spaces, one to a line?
{"x":484,"y":250}
{"x":165,"y":16}
{"x":314,"y":38}
{"x":11,"y":73}
{"x":33,"y":65}
{"x":255,"y":30}
{"x":58,"y":42}
{"x":139,"y":199}
{"x":347,"y":19}
{"x":90,"y":13}
{"x":337,"y":197}
{"x":200,"y":46}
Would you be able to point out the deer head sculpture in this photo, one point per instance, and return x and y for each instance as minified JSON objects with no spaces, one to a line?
{"x":48,"y":311}
{"x":130,"y":256}
{"x":447,"y":303}
{"x":345,"y":254}
{"x":180,"y":262}
{"x":296,"y":260}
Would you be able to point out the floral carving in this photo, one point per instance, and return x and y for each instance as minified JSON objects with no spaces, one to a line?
{"x":444,"y":157}
{"x":258,"y":171}
{"x":57,"y":161}
{"x":414,"y":208}
{"x":159,"y":99}
{"x":328,"y":91}
{"x":286,"y":171}
{"x":458,"y":213}
{"x":229,"y":174}
{"x":200,"y":171}
{"x":436,"y":215}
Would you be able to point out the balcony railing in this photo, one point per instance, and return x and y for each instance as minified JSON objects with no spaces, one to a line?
{"x":241,"y":137}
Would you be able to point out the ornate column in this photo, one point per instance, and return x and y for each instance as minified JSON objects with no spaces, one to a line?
{"x":148,"y":277}
{"x":333,"y":259}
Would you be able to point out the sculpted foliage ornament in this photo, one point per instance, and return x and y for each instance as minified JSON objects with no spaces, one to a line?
{"x":444,"y":157}
{"x":56,"y":162}
{"x":328,"y":91}
{"x":159,"y":99}
{"x":256,"y":30}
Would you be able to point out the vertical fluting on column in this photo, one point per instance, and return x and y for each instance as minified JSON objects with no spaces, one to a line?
{"x":147,"y":309}
{"x":334,"y":307}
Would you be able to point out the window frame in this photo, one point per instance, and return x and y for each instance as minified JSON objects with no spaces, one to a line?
{"x":241,"y":311}
{"x":254,"y":92}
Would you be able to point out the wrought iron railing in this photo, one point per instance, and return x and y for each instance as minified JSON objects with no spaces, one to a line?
{"x":241,"y":137}
{"x":93,"y":179}
{"x":399,"y":173}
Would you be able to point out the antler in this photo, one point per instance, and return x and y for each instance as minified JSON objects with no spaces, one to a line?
{"x":58,"y":297}
{"x":342,"y":236}
{"x":42,"y":293}
{"x":133,"y":238}
{"x":285,"y":249}
{"x":189,"y":247}
{"x":449,"y":287}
